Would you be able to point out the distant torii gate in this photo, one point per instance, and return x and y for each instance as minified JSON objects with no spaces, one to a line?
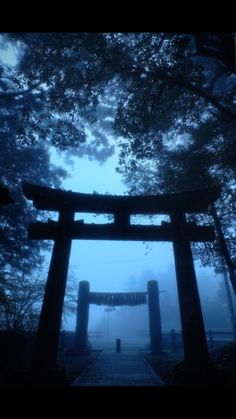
{"x":180,"y":232}
{"x":85,"y":298}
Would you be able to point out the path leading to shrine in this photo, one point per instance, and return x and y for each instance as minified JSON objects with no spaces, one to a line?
{"x":128,"y":368}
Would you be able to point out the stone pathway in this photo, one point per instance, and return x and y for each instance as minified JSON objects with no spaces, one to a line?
{"x":128,"y":368}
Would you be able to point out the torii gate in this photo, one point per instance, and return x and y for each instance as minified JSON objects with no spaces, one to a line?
{"x":85,"y":298}
{"x":180,"y":232}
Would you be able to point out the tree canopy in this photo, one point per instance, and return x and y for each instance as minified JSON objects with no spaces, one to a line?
{"x":145,"y":88}
{"x":168,"y":100}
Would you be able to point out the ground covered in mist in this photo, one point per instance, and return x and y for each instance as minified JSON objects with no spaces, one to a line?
{"x":173,"y":372}
{"x":168,"y":366}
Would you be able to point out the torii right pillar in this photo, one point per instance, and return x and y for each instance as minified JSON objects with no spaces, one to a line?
{"x":193,"y":331}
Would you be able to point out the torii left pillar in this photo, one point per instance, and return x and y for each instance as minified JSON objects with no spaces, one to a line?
{"x":46,"y":345}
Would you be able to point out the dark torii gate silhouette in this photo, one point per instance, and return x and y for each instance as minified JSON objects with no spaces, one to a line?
{"x":178,"y":231}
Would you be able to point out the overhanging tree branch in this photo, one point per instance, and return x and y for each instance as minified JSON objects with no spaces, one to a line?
{"x":160,"y":75}
{"x":7,"y":95}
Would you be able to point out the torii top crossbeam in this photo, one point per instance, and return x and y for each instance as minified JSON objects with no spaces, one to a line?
{"x":67,"y":203}
{"x":59,"y":200}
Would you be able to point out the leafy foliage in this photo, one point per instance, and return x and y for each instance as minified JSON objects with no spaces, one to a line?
{"x":160,"y":84}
